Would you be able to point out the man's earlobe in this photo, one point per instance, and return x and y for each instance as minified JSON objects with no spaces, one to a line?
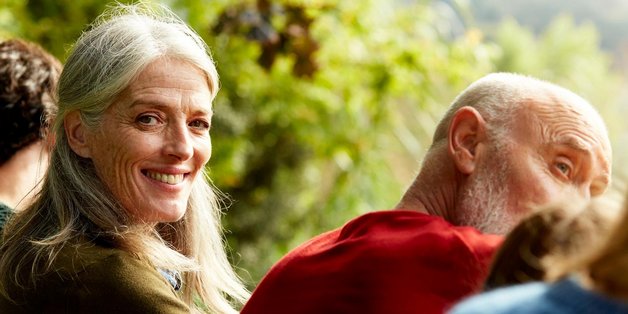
{"x":75,"y":131}
{"x":466,"y":131}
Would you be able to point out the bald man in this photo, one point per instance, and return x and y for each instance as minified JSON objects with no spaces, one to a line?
{"x":508,"y":142}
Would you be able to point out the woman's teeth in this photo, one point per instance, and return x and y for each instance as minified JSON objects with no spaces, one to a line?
{"x":165,"y":178}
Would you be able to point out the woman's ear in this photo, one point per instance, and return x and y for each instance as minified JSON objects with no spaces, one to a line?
{"x":466,"y":131}
{"x":76,"y":133}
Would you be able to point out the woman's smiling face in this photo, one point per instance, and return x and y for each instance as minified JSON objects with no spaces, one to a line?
{"x":154,"y":140}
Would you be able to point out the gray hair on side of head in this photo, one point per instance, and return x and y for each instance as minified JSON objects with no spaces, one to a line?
{"x":497,"y":97}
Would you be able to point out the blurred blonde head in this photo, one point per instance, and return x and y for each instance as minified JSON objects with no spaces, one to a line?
{"x":549,"y":241}
{"x":605,"y":268}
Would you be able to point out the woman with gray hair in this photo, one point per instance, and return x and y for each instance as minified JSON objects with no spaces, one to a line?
{"x":126,"y":220}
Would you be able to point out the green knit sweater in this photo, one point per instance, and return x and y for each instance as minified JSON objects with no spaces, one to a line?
{"x":93,"y":279}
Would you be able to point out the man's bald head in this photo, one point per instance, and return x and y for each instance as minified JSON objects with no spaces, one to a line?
{"x":499,"y":96}
{"x":509,"y":142}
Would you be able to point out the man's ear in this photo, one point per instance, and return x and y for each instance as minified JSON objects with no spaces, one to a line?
{"x":466,"y":130}
{"x":76,"y":133}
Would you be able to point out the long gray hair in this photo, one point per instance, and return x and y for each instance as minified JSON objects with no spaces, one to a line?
{"x":75,"y":204}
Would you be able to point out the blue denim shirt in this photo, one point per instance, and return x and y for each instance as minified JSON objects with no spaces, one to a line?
{"x":563,"y":297}
{"x":173,"y":277}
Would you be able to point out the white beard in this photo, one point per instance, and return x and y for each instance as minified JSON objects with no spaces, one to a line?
{"x":484,"y":203}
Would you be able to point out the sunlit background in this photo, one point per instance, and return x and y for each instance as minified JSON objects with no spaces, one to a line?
{"x":326,"y":107}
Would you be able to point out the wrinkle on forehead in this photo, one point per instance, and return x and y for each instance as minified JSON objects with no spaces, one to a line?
{"x":570,"y":120}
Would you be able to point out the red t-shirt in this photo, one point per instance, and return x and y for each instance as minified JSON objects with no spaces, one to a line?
{"x":393,"y":261}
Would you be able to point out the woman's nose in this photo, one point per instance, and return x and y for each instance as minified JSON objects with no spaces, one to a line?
{"x":179,"y":142}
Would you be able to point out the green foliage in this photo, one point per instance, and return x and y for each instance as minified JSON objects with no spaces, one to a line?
{"x":566,"y":54}
{"x":326,"y":106}
{"x":54,"y":24}
{"x":10,"y":16}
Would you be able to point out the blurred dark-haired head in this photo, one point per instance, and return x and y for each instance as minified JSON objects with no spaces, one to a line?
{"x":28,"y":76}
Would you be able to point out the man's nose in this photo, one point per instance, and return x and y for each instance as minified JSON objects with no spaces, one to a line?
{"x":585,"y":192}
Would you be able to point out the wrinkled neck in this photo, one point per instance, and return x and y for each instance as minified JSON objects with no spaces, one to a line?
{"x":435,"y":188}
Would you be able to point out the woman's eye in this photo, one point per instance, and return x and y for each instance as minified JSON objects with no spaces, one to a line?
{"x":147,"y":120}
{"x":199,"y":124}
